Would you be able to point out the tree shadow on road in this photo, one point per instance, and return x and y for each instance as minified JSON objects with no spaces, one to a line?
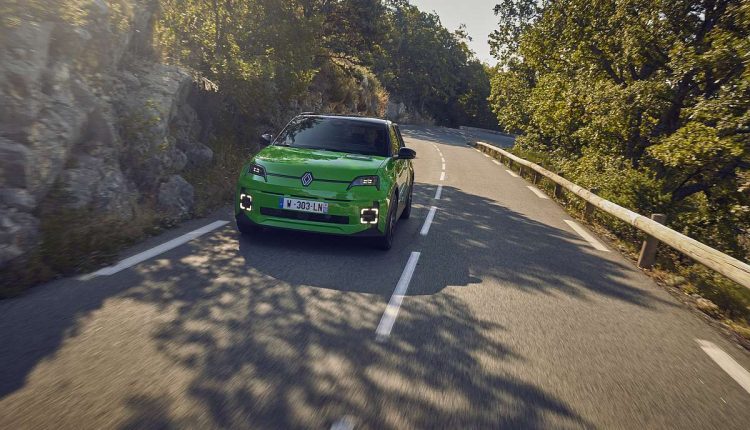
{"x":276,"y":341}
{"x":277,"y":330}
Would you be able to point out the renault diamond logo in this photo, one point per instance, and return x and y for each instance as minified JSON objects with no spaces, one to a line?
{"x":307,"y":179}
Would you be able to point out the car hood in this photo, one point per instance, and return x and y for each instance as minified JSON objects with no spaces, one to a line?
{"x":340,"y":166}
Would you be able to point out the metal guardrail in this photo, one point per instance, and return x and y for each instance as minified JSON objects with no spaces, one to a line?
{"x":728,"y":266}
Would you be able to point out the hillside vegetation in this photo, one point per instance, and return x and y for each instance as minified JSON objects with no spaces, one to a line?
{"x":268,"y":55}
{"x":121,"y":117}
{"x":647,"y":100}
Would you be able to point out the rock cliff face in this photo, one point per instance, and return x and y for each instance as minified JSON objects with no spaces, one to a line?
{"x":89,"y":118}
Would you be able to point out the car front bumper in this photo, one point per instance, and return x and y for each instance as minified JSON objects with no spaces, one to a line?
{"x":343,"y":217}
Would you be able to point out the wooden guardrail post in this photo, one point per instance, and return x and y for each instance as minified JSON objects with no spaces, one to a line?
{"x":588,"y":210}
{"x":648,"y":250}
{"x":535,"y":177}
{"x":558,"y":188}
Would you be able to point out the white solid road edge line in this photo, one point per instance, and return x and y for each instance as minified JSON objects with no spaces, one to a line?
{"x":442,"y":176}
{"x":428,"y":221}
{"x":439,"y":192}
{"x":145,"y":255}
{"x":727,"y":363}
{"x":538,"y":193}
{"x":584,"y":234}
{"x":391,"y":311}
{"x":511,"y":173}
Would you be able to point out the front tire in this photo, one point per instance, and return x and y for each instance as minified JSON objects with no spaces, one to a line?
{"x":407,"y":210}
{"x":385,"y":242}
{"x":245,"y":227}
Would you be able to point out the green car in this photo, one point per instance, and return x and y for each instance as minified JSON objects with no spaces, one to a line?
{"x":329,"y":174}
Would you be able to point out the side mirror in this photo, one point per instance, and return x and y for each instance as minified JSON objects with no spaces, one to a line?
{"x":406,"y":154}
{"x":266,"y":139}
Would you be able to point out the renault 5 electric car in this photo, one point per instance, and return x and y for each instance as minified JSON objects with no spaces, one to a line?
{"x":332,"y":174}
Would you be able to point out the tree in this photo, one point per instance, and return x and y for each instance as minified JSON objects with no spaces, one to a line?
{"x":432,"y":69}
{"x":658,"y":88}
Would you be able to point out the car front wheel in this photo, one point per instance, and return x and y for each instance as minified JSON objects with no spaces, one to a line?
{"x":385,"y":242}
{"x":407,"y":210}
{"x":245,"y":227}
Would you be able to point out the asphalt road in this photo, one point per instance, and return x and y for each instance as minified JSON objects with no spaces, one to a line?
{"x":511,"y":319}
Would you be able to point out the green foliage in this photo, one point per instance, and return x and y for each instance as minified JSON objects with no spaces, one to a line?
{"x":647,"y":100}
{"x":257,"y":51}
{"x":265,"y":55}
{"x":432,"y":69}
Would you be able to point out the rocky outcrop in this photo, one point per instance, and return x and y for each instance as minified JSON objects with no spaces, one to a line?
{"x":176,"y":197}
{"x":87,"y":117}
{"x":400,"y":112}
{"x":395,"y":111}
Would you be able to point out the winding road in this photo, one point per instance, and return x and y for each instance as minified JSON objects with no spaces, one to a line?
{"x":494,"y":309}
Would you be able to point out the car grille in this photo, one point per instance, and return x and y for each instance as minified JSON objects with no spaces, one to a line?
{"x":304,"y":216}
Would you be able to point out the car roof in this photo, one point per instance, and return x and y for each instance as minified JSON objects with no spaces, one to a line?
{"x":367,"y":119}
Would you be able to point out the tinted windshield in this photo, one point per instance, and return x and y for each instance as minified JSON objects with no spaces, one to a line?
{"x":336,"y":134}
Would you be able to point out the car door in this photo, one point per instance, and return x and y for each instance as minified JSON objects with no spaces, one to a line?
{"x":401,"y":166}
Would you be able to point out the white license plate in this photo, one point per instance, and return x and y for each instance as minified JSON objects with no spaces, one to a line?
{"x":303,"y":205}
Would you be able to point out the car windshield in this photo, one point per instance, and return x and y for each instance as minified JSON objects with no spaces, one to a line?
{"x":336,"y":134}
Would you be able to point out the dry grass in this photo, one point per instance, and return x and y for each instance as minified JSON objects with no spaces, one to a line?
{"x":215,"y":184}
{"x":75,"y":241}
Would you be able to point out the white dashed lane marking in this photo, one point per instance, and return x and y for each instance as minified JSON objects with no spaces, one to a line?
{"x":727,"y":363}
{"x":439,"y":192}
{"x":428,"y":221}
{"x":538,"y":192}
{"x":391,"y":311}
{"x":588,"y":237}
{"x":511,"y":173}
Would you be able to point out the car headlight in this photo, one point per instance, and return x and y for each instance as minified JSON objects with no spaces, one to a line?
{"x":246,"y":202}
{"x":257,"y":170}
{"x":366,"y":181}
{"x":368,"y":216}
